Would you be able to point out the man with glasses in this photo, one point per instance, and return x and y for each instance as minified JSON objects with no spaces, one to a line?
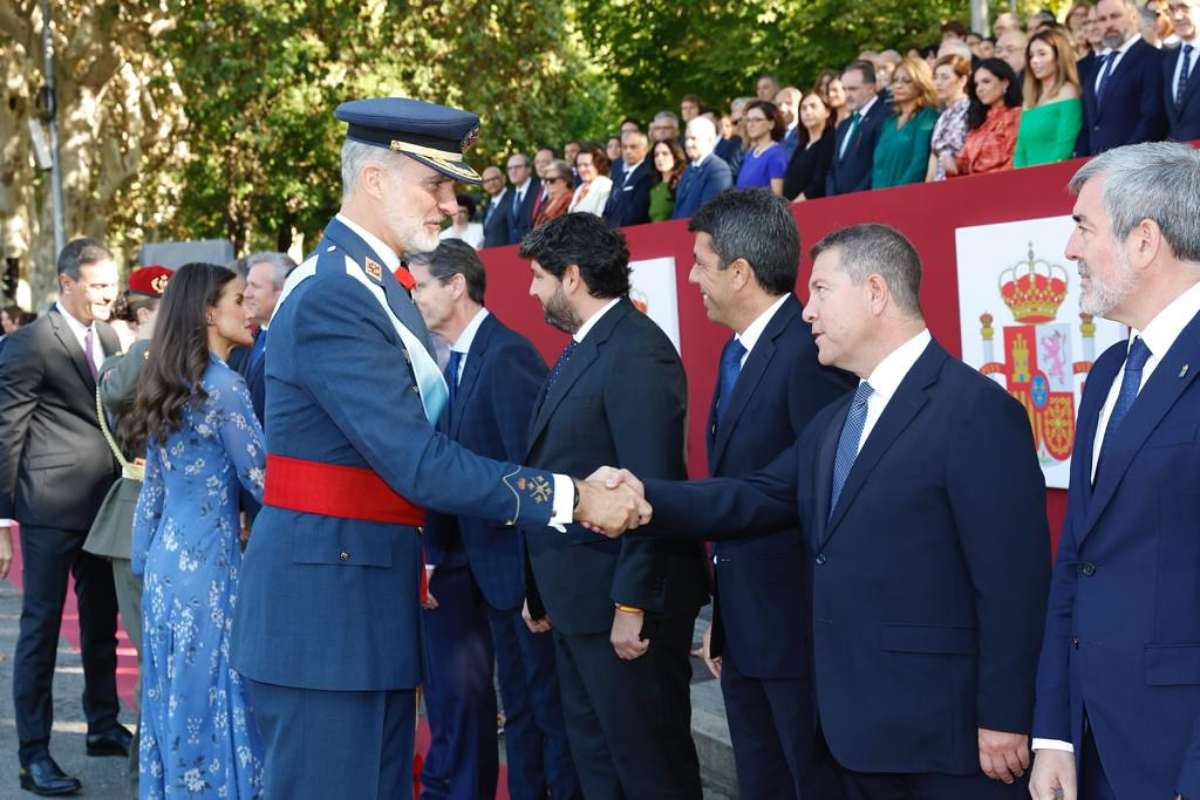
{"x":526,"y":190}
{"x":495,"y":215}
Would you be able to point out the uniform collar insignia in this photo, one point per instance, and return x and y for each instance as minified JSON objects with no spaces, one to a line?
{"x":373,"y":269}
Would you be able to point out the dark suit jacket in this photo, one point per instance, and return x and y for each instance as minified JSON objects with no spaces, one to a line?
{"x":253,"y":370}
{"x":1123,"y":624}
{"x":852,"y":172}
{"x":621,"y":399}
{"x":520,"y":219}
{"x":808,"y":169}
{"x":1183,"y":123}
{"x":629,"y":202}
{"x":780,"y":388}
{"x":1132,"y":110}
{"x":698,"y":186}
{"x":493,"y":403}
{"x":496,"y":231}
{"x":55,"y":466}
{"x":929,"y":577}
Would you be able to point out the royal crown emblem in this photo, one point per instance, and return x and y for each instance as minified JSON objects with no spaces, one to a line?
{"x":159,"y":284}
{"x":1033,"y":289}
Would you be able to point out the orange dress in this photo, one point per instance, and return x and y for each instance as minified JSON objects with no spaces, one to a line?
{"x":990,"y":147}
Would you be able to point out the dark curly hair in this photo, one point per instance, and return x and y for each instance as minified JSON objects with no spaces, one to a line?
{"x":586,"y":241}
{"x":977,"y":112}
{"x":178,"y":356}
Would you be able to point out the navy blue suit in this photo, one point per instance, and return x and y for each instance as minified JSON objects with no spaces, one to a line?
{"x":766,"y":675}
{"x":929,"y":576}
{"x":1123,"y":626}
{"x":1183,"y":120}
{"x":520,"y":216}
{"x":629,"y":202}
{"x":699,"y":185}
{"x":346,"y":590}
{"x":851,"y":172}
{"x":1131,"y":110}
{"x":479,"y":585}
{"x":496,"y":231}
{"x":251,"y":364}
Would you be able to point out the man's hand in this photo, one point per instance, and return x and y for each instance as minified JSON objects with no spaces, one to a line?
{"x":626,"y":636}
{"x":430,"y":602}
{"x":610,"y":512}
{"x":6,"y":551}
{"x":1003,"y":756}
{"x":714,"y":664}
{"x":613,"y":477}
{"x":1053,"y":771}
{"x":541,"y":625}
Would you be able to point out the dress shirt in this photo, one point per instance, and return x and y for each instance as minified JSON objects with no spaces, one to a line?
{"x":862,"y":114}
{"x":1120,"y":53}
{"x":629,"y":170}
{"x":591,"y":321}
{"x":1195,"y":45}
{"x":754,"y":331}
{"x":494,"y":202}
{"x":81,"y":331}
{"x":1159,"y":336}
{"x":699,"y":162}
{"x":887,"y":376}
{"x":564,"y":489}
{"x":521,"y":190}
{"x":463,"y":343}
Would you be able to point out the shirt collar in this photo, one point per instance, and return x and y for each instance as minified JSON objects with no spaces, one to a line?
{"x":1120,"y":51}
{"x":523,"y":187}
{"x":1166,"y":326}
{"x":463,"y":343}
{"x":592,"y":320}
{"x":496,"y":198}
{"x":75,"y":325}
{"x":795,"y":122}
{"x":887,"y":376}
{"x":862,"y":112}
{"x":630,"y":170}
{"x":391,"y":260}
{"x":700,"y":161}
{"x":754,"y":330}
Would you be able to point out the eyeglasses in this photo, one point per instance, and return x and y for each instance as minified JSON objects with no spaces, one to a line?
{"x":511,"y":167}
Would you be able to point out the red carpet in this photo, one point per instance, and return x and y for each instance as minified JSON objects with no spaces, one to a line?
{"x":127,"y":659}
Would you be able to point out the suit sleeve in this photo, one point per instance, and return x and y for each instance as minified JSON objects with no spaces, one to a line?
{"x":817,"y":185}
{"x":22,"y":368}
{"x":997,"y":496}
{"x":356,"y":378}
{"x":646,"y":412}
{"x":1052,"y":713}
{"x":637,"y":209}
{"x":514,"y":390}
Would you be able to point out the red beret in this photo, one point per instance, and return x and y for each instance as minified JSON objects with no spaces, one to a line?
{"x":150,"y":281}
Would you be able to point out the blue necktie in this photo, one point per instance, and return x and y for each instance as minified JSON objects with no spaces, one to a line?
{"x":257,"y":351}
{"x":561,"y":364}
{"x":1181,"y":86}
{"x":452,"y":375}
{"x":847,"y":449}
{"x":1108,"y":65}
{"x":731,"y":367}
{"x":1139,"y":353}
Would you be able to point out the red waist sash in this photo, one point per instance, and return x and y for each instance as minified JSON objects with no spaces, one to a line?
{"x":334,"y":490}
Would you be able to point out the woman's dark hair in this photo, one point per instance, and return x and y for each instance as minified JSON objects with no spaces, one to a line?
{"x":599,"y":157}
{"x":830,"y":122}
{"x":680,"y":162}
{"x":772,"y":112}
{"x":18,"y":315}
{"x":467,"y":202}
{"x":129,"y":303}
{"x":178,"y":356}
{"x":977,"y":112}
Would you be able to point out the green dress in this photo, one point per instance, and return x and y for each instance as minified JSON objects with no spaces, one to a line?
{"x":1047,"y":133}
{"x":902,"y":154}
{"x":662,"y":201}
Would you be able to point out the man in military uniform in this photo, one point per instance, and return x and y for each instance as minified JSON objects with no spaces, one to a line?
{"x":327,"y":625}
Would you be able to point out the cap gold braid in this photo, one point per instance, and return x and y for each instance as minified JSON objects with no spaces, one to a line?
{"x":428,"y":152}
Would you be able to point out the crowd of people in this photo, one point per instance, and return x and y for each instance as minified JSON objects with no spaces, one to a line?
{"x":1111,"y":74}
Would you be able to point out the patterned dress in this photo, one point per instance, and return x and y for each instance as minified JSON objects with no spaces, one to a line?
{"x":198,"y":737}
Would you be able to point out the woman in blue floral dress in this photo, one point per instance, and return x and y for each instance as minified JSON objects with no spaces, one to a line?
{"x":203,"y":442}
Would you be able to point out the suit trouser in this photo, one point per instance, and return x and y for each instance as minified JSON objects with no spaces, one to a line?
{"x":129,"y":601}
{"x":629,"y":722}
{"x":323,"y":745}
{"x":772,"y":724}
{"x":47,"y":556}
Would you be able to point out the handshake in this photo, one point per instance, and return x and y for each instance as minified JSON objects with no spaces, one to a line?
{"x":611,"y":501}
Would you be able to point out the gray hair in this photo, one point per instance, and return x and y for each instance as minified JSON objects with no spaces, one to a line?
{"x":668,"y":115}
{"x":871,"y":248}
{"x":281,"y":265}
{"x":564,"y":171}
{"x":1158,"y":181}
{"x":636,"y":136}
{"x":704,"y":132}
{"x":356,"y":155}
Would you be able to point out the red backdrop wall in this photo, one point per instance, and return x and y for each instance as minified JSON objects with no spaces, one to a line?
{"x":927,"y":213}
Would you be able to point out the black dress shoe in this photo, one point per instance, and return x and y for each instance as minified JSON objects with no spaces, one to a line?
{"x":42,"y":776}
{"x":113,"y":742}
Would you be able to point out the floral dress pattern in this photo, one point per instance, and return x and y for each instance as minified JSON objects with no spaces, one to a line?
{"x":198,"y":736}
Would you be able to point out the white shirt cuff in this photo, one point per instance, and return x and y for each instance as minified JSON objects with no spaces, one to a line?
{"x":1052,"y":744}
{"x":563,"y":512}
{"x":7,"y":523}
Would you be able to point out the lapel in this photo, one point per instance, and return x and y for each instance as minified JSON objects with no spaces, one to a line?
{"x":1099,"y":381}
{"x":1128,"y":62}
{"x":67,"y":338}
{"x":904,"y":406}
{"x":840,"y":134}
{"x":823,"y":479}
{"x":587,"y":352}
{"x":1153,"y":402}
{"x":1193,"y":76}
{"x":470,"y":376}
{"x":397,"y":298}
{"x":751,"y":374}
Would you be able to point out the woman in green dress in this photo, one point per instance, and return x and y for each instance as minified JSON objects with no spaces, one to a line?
{"x":902,"y":153}
{"x":1053,"y":111}
{"x":669,"y":164}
